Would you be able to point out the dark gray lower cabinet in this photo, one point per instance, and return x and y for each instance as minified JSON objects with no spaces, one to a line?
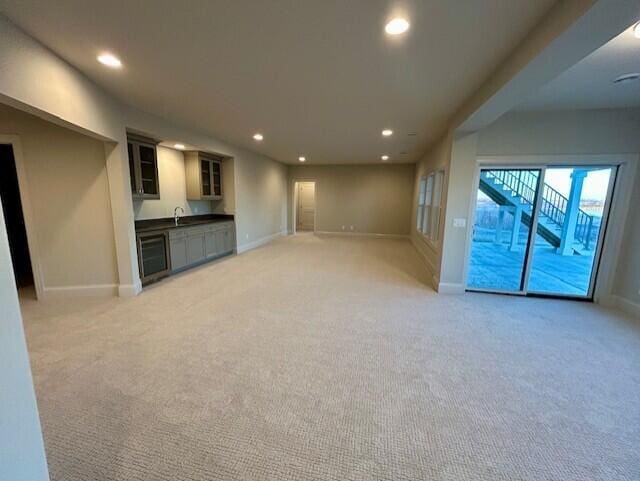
{"x":178,"y":250}
{"x":195,"y":247}
{"x":190,"y":246}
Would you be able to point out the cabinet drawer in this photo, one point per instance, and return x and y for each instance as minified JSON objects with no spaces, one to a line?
{"x":177,"y":233}
{"x":196,"y":230}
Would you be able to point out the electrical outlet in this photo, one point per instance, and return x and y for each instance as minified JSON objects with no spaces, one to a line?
{"x":247,"y":236}
{"x":351,"y":227}
{"x":342,"y":227}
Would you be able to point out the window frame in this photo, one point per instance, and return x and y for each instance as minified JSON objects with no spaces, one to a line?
{"x":429,"y":206}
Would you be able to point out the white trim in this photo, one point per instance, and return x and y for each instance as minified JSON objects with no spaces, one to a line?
{"x":450,"y":288}
{"x":260,"y":242}
{"x":130,"y":290}
{"x":27,"y":212}
{"x":625,"y":305}
{"x":95,"y":290}
{"x":363,"y":234}
{"x":552,"y":160}
{"x":294,"y":214}
{"x":619,"y":203}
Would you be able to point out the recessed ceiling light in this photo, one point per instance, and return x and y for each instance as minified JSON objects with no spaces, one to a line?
{"x":385,"y":158}
{"x":397,"y":26}
{"x":179,"y":146}
{"x":302,"y":159}
{"x":636,"y":30}
{"x":387,"y":132}
{"x":626,"y":78}
{"x":109,"y":60}
{"x":258,"y":137}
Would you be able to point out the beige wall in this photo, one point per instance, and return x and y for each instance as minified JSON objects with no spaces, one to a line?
{"x":571,"y":30}
{"x":173,"y":190}
{"x":261,"y":200}
{"x":588,"y":132}
{"x":254,"y":189}
{"x":461,"y":192}
{"x":437,"y":158}
{"x":68,"y":191}
{"x":34,"y":79}
{"x":627,"y":284}
{"x":375,"y":199}
{"x":537,"y":137}
{"x":557,"y":133}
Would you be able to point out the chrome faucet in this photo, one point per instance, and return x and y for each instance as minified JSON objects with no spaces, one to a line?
{"x":176,"y":217}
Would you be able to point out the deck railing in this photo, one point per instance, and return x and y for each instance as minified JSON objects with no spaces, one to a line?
{"x":524,"y":183}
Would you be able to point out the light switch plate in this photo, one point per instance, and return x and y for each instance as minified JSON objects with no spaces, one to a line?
{"x":459,"y":222}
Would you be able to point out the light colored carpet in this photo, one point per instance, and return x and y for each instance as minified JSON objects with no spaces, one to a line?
{"x":326,"y":358}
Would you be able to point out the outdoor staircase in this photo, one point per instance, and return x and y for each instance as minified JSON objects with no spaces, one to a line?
{"x":517,"y":189}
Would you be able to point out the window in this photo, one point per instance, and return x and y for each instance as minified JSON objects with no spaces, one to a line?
{"x":429,"y":205}
{"x":421,"y":192}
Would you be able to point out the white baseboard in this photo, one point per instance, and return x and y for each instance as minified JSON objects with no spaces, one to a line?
{"x":450,"y":288}
{"x":130,"y":290}
{"x":66,"y":292}
{"x":260,"y":242}
{"x":625,"y":305}
{"x":362,"y":234}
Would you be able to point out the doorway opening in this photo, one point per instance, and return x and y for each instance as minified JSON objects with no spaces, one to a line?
{"x":539,"y":231}
{"x":305,"y":207}
{"x":15,"y":221}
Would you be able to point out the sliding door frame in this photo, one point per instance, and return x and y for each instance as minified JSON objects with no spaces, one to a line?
{"x":533,"y":231}
{"x":526,"y":268}
{"x":597,"y":255}
{"x":610,"y":237}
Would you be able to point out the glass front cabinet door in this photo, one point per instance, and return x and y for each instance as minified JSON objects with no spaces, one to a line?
{"x":143,"y":167}
{"x":204,"y":176}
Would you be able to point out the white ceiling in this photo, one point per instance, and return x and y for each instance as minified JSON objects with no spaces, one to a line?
{"x":317,"y":77}
{"x":589,"y":83}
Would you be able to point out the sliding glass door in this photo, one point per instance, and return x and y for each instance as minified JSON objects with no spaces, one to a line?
{"x":570,"y":223}
{"x":504,"y":210}
{"x":539,"y":231}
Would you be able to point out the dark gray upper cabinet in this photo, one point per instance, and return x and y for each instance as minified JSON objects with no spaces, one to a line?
{"x":143,"y":167}
{"x":203,"y":175}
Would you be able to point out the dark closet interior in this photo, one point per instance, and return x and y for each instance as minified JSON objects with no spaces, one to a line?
{"x":14,"y":218}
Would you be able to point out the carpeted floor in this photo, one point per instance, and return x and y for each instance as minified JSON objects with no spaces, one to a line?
{"x":326,"y":358}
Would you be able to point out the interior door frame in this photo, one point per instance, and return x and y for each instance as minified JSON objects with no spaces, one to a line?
{"x":610,"y":244}
{"x":27,"y":212}
{"x":294,"y":204}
